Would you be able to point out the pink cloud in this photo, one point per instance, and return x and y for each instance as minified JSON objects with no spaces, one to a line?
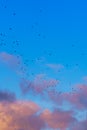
{"x":58,"y":119}
{"x":77,"y":99}
{"x":38,"y":85}
{"x":10,"y":59}
{"x":14,"y":62}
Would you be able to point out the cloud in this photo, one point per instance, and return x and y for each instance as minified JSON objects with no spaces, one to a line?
{"x":6,"y":96}
{"x":19,"y":116}
{"x":55,"y":67}
{"x":39,"y":85}
{"x":14,"y":62}
{"x":76,"y":99}
{"x":42,"y":86}
{"x":9,"y":59}
{"x":58,"y":119}
{"x":82,"y":125}
{"x":56,"y":97}
{"x":23,"y":115}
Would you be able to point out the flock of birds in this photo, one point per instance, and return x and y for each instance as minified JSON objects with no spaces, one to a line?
{"x":15,"y":46}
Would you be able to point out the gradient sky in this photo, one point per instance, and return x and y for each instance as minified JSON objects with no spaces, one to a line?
{"x":43,"y":60}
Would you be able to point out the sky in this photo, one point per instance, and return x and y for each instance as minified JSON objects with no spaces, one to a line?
{"x":43,"y":65}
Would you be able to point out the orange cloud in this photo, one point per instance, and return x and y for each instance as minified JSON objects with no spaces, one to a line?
{"x":16,"y":116}
{"x":27,"y":115}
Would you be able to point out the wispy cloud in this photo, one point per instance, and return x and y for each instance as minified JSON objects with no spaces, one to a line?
{"x":38,"y":85}
{"x":9,"y":59}
{"x":14,"y":62}
{"x":55,"y":67}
